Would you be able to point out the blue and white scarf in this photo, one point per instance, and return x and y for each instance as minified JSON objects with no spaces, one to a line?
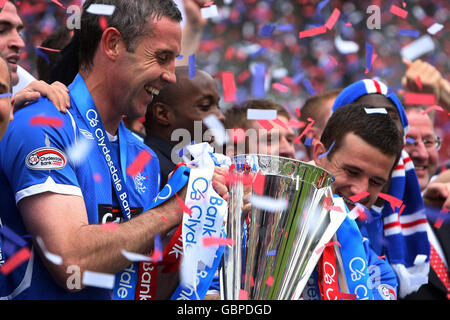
{"x":401,"y":237}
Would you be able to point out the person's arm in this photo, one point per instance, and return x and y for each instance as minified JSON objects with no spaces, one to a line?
{"x":61,"y":222}
{"x":57,"y":93}
{"x":192,"y":31}
{"x":430,"y":79}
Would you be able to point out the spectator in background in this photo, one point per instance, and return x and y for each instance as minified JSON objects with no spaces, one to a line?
{"x":401,"y":245}
{"x":276,"y":139}
{"x":179,"y":106}
{"x":318,"y":108}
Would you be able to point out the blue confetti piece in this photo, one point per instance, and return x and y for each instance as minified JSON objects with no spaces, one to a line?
{"x":258,"y":52}
{"x":308,"y":141}
{"x":12,"y":236}
{"x":43,"y":55}
{"x":179,"y":57}
{"x":328,"y":151}
{"x":191,"y":66}
{"x":320,"y":6}
{"x":298,"y":77}
{"x":369,"y":54}
{"x":266,"y":30}
{"x":272,"y":253}
{"x":410,"y":140}
{"x":285,"y":28}
{"x":6,"y":95}
{"x":309,"y":87}
{"x":409,"y":33}
{"x":258,"y":80}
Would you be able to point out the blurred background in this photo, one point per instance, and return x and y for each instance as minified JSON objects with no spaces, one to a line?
{"x":258,"y":41}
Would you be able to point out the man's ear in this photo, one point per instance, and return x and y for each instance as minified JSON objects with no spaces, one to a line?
{"x":162,"y":114}
{"x":112,"y":43}
{"x":318,"y":149}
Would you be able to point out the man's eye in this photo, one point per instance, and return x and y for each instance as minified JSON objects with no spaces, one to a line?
{"x":351,"y":172}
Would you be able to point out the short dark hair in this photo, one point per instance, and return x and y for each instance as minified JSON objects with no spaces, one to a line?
{"x":377,"y":129}
{"x":130,"y":18}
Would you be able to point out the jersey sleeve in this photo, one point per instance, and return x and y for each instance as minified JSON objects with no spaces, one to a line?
{"x":33,"y":152}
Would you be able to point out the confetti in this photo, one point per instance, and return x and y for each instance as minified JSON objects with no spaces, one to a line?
{"x":272,"y":253}
{"x":296,"y":124}
{"x":16,"y":260}
{"x":243,"y":295}
{"x":417,"y":48}
{"x":43,"y":55}
{"x":78,"y":152}
{"x":229,"y":86}
{"x":217,"y":128}
{"x":375,"y":110}
{"x":58,"y":3}
{"x":217,"y":241}
{"x":395,"y":202}
{"x":398,"y":11}
{"x":110,"y":226}
{"x":6,"y":95}
{"x":308,"y":141}
{"x":321,"y":5}
{"x":344,"y":46}
{"x":269,"y":281}
{"x":280,"y":87}
{"x":266,"y":30}
{"x":415,"y":98}
{"x":369,"y":54}
{"x":139,"y":163}
{"x":310,"y":124}
{"x":328,"y":151}
{"x":98,"y":279}
{"x":258,"y":71}
{"x":157,"y":251}
{"x":183,"y":206}
{"x":435,"y":28}
{"x":419,"y":83}
{"x":132,"y":256}
{"x":48,"y":49}
{"x":332,"y":19}
{"x":102,"y":22}
{"x":261,"y":114}
{"x":258,"y":183}
{"x":312,"y":32}
{"x":268,"y":203}
{"x":101,"y":9}
{"x":12,"y":236}
{"x":435,"y":107}
{"x":209,"y":12}
{"x":265,"y":124}
{"x":409,"y":33}
{"x":53,"y":258}
{"x":46,"y":121}
{"x":191,"y":66}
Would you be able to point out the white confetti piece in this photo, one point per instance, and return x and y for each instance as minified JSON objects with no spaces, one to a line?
{"x":217,"y":128}
{"x":101,"y":9}
{"x":417,"y":48}
{"x":132,"y":256}
{"x":375,"y":110}
{"x":261,"y":114}
{"x":53,"y":258}
{"x":98,"y":279}
{"x":435,"y":28}
{"x":420,"y":258}
{"x":79,"y":151}
{"x":209,"y":12}
{"x":268,"y":204}
{"x":344,"y":46}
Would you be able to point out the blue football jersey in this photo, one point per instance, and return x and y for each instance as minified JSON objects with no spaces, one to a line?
{"x":65,"y":159}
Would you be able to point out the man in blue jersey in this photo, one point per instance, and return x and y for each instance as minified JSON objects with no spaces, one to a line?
{"x":64,"y":175}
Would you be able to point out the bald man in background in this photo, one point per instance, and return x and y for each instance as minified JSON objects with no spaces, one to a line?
{"x":178,"y":106}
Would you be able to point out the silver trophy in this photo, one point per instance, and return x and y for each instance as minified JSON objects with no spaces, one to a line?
{"x":276,"y":247}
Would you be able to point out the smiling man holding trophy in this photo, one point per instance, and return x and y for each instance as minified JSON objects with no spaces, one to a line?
{"x":301,"y":216}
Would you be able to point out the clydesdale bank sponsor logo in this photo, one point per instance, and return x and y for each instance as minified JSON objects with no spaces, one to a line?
{"x":46,"y":158}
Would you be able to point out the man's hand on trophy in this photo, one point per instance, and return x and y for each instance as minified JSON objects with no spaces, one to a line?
{"x":219,"y":182}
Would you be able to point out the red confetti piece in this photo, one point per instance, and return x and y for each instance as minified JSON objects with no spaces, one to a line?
{"x":229,"y":86}
{"x":297,"y":110}
{"x":213,"y":241}
{"x":348,"y":24}
{"x":210,"y":3}
{"x":359,"y":196}
{"x":97,"y":177}
{"x":334,"y":208}
{"x":419,"y":83}
{"x":310,"y":124}
{"x":164,"y":218}
{"x":16,"y":260}
{"x":333,"y":60}
{"x":281,"y":123}
{"x":280,"y":87}
{"x":395,"y":202}
{"x":265,"y":124}
{"x":435,"y":107}
{"x":258,"y":184}
{"x":237,"y":135}
{"x":46,"y":121}
{"x":269,"y":281}
{"x":58,"y":3}
{"x":312,"y":32}
{"x":48,"y":49}
{"x":296,"y":124}
{"x":111,"y":226}
{"x":102,"y":22}
{"x":183,"y":206}
{"x":243,"y":295}
{"x":419,"y":98}
{"x":139,"y":163}
{"x":332,"y":19}
{"x":329,"y":244}
{"x":398,"y":11}
{"x":401,"y":210}
{"x":243,"y":76}
{"x":346,"y":296}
